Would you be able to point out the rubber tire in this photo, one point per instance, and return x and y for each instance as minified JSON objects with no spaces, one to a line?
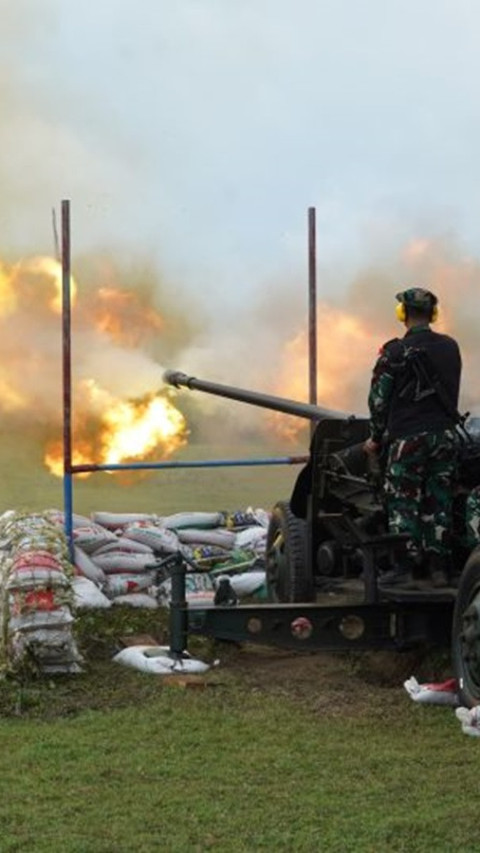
{"x":467,"y":672}
{"x":289,"y":578}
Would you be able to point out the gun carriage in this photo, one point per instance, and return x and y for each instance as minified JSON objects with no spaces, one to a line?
{"x":328,"y":544}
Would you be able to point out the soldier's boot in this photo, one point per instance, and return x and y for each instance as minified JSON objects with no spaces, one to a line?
{"x":438,"y":570}
{"x":401,"y":576}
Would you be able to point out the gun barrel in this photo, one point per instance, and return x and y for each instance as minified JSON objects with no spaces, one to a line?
{"x":254,"y":398}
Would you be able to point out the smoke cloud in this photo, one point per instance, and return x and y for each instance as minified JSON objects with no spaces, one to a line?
{"x":131,"y":320}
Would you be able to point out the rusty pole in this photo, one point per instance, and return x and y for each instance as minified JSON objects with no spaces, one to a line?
{"x":312,"y":307}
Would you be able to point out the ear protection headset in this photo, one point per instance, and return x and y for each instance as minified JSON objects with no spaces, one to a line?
{"x":401,"y":309}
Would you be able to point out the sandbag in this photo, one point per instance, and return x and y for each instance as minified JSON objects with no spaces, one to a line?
{"x":120,"y":520}
{"x":90,"y":538}
{"x":246,"y":583}
{"x":87,"y":595}
{"x":36,"y":577}
{"x":444,"y":693}
{"x":199,"y":590}
{"x":126,"y":545}
{"x":125,"y":584}
{"x":252,"y":537}
{"x":136,"y":599}
{"x":470,"y":720}
{"x":54,"y":651}
{"x":158,"y":538}
{"x":113,"y":563}
{"x":157,"y":660}
{"x":36,"y":559}
{"x":222,"y":538}
{"x":57,"y":517}
{"x":37,"y":619}
{"x":181,"y":520}
{"x":87,"y":567}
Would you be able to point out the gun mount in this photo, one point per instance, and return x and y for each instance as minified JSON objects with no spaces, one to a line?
{"x":329,"y":543}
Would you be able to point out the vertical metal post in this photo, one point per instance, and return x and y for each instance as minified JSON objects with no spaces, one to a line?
{"x":312,"y":307}
{"x":67,"y":377}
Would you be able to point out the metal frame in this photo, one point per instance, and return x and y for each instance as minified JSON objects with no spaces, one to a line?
{"x":69,"y":469}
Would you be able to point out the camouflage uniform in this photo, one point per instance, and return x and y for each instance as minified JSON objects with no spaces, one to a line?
{"x":418,"y":490}
{"x":472,"y":519}
{"x":420,"y":464}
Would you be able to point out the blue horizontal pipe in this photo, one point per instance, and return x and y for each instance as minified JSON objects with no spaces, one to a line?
{"x":213,"y":463}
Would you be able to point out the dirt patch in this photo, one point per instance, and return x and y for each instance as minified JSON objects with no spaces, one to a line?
{"x":340,"y":683}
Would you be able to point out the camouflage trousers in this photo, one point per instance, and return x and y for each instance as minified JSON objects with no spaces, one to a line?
{"x":419,"y":480}
{"x":472,"y":518}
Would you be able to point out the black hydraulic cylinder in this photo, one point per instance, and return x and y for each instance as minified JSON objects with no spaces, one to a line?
{"x":178,"y":609}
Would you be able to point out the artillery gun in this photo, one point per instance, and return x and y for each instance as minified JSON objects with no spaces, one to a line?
{"x":328,"y":544}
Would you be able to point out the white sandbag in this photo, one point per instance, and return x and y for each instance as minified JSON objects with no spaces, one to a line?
{"x":87,"y":595}
{"x":246,"y":583}
{"x":261,"y":516}
{"x":221,"y":537}
{"x":87,"y":567}
{"x":125,"y":584}
{"x":37,"y":619}
{"x":470,"y":720}
{"x":57,"y":517}
{"x":119,"y":520}
{"x":158,"y":538}
{"x":444,"y":693}
{"x":92,"y":537}
{"x":157,"y":660}
{"x":115,"y":562}
{"x":250,"y":537}
{"x":126,"y":545}
{"x":35,"y":578}
{"x":181,"y":520}
{"x":137,"y":599}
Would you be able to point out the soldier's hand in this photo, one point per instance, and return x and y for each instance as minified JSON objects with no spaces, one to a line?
{"x":372,"y":447}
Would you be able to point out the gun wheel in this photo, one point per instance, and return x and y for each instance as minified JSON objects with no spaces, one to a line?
{"x":289,"y":578}
{"x":466,"y":632}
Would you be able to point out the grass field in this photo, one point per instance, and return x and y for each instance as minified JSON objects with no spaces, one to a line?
{"x":278,"y":752}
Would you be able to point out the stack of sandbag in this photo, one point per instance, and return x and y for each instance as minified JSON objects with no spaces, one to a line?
{"x":115,"y":554}
{"x":36,"y":592}
{"x":116,"y":563}
{"x":221,"y":538}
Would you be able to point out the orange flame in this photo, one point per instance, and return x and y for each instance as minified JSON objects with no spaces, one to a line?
{"x":123,"y":430}
{"x":109,"y":322}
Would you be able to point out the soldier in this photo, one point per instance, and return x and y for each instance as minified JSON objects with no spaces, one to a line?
{"x":413,"y":415}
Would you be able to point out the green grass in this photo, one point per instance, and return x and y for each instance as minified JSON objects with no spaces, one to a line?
{"x":227,"y":769}
{"x":112,"y":761}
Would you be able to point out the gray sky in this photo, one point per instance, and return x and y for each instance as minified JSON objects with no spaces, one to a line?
{"x":198,"y":132}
